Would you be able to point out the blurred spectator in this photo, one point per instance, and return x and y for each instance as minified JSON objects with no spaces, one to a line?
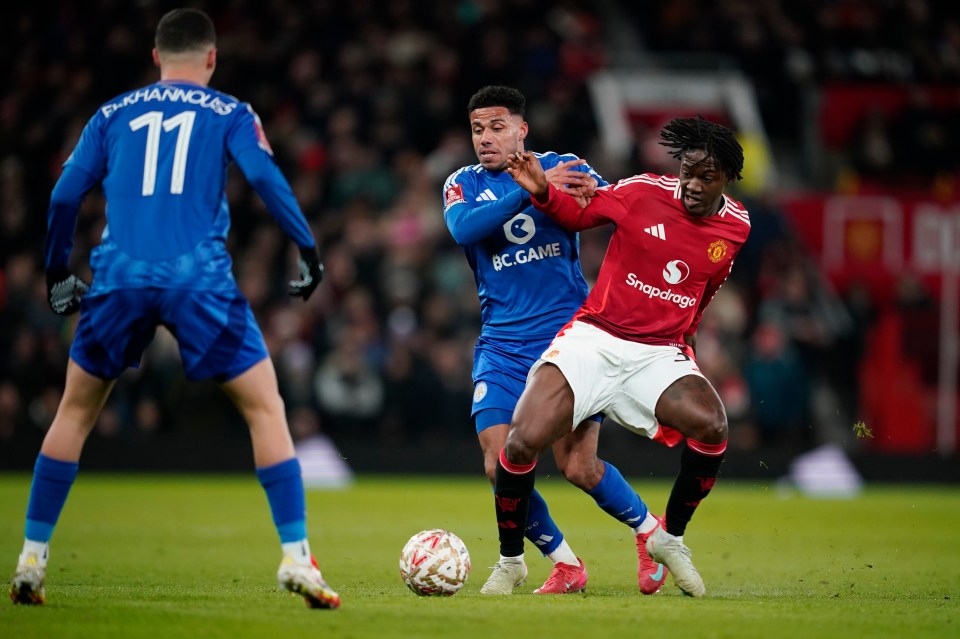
{"x":780,"y":390}
{"x":817,"y":326}
{"x":920,"y":315}
{"x":921,"y":138}
{"x":799,"y":309}
{"x":348,"y":388}
{"x":872,"y":152}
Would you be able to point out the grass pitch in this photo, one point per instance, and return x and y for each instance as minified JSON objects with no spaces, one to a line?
{"x":174,"y":556}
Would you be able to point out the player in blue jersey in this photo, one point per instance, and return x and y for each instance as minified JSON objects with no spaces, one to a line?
{"x":161,"y":154}
{"x":528,"y":276}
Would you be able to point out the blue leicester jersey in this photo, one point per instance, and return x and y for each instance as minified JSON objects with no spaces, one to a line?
{"x":527,"y":268}
{"x":162,"y":153}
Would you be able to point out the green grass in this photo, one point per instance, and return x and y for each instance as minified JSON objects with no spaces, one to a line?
{"x":169,"y":556}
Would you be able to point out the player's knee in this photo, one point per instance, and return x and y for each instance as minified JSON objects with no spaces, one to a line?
{"x":583,"y":475}
{"x":270,"y":404}
{"x":521,"y":448}
{"x":713,"y":428}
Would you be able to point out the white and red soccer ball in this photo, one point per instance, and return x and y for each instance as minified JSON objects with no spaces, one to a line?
{"x":435,"y":563}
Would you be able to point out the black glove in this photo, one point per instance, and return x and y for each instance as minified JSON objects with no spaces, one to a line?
{"x":64,"y":290}
{"x":311,"y":273}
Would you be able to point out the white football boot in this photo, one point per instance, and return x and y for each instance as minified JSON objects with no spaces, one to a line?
{"x":669,"y":550}
{"x":506,"y":576}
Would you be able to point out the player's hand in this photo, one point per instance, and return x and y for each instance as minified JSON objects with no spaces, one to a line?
{"x":311,"y":274}
{"x":581,"y":200}
{"x":583,"y":194}
{"x":526,"y":171}
{"x":589,"y":188}
{"x":64,"y":290}
{"x":566,"y":179}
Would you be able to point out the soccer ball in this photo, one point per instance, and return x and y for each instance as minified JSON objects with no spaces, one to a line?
{"x":434,"y":563}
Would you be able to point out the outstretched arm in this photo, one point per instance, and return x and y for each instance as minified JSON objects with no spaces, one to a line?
{"x":565,"y":210}
{"x":577,"y":183}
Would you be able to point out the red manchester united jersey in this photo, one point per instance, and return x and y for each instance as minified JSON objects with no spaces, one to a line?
{"x":663,"y":265}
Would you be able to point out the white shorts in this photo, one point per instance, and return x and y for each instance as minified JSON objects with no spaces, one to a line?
{"x":619,"y":378}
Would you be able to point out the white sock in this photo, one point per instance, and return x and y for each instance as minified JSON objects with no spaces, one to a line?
{"x":299,"y":550}
{"x":648,"y":524}
{"x":564,"y":555}
{"x":511,"y":560}
{"x":40,"y":548}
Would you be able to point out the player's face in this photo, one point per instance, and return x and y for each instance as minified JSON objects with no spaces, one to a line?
{"x":497,"y":133}
{"x":701,"y":184}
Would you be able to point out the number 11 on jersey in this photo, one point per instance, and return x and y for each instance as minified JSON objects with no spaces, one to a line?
{"x":154,"y":122}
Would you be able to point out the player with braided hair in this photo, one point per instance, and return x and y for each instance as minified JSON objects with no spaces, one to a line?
{"x":719,"y":143}
{"x":629,"y":351}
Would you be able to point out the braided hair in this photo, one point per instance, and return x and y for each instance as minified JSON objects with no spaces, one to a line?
{"x":718,"y":142}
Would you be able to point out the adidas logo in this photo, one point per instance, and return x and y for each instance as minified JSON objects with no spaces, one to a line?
{"x":487,"y":195}
{"x":543,"y":540}
{"x":656,"y":231}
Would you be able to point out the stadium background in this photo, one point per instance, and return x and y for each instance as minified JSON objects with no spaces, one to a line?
{"x":840,"y":310}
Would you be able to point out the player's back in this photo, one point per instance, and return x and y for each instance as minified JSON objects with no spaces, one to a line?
{"x":166,"y":154}
{"x":162,"y":153}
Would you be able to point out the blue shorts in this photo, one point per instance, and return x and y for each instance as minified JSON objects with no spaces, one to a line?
{"x":499,"y":376}
{"x":217,"y":334}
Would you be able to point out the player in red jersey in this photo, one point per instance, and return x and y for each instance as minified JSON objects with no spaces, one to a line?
{"x":629,"y":351}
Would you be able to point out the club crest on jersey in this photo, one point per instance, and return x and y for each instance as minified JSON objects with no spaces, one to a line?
{"x":717,"y":250}
{"x":479,"y":392}
{"x":453,"y":195}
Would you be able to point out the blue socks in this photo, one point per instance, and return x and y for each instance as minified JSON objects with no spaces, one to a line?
{"x":52,"y":480}
{"x":541,"y":529}
{"x":283,"y":484}
{"x":615,"y":496}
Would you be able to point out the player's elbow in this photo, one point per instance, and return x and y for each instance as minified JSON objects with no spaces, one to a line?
{"x":66,"y":194}
{"x":259,"y":169}
{"x":257,"y":176}
{"x":460,"y":239}
{"x":60,"y":201}
{"x":459,"y":234}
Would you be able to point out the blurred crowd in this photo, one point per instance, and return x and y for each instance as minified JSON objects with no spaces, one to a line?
{"x":900,"y":57}
{"x":791,"y":47}
{"x":364,"y":104}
